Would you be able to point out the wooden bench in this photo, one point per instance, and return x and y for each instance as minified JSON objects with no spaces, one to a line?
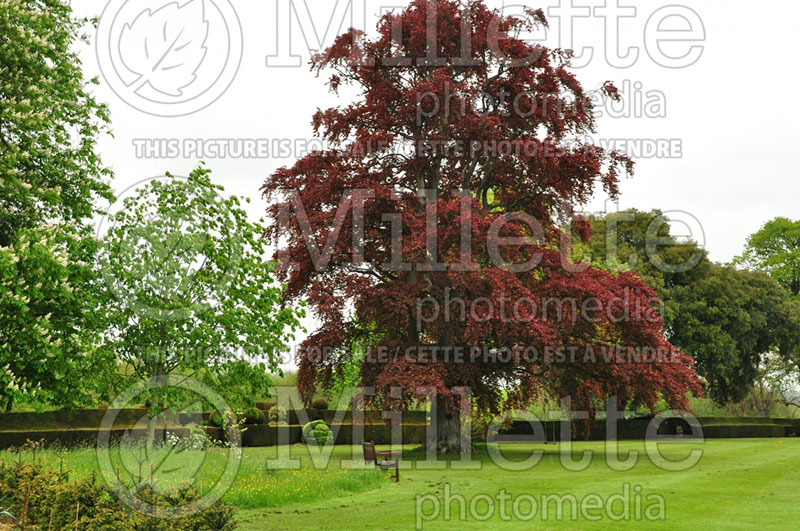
{"x":371,"y":455}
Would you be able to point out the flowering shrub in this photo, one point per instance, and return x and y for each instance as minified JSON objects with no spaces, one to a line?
{"x":198,"y":439}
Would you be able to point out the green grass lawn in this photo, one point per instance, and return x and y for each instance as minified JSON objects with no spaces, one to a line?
{"x":254,"y":484}
{"x":737,"y":484}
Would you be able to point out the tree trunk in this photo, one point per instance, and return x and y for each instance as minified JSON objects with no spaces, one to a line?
{"x":151,"y":431}
{"x":448,"y":427}
{"x":9,"y":404}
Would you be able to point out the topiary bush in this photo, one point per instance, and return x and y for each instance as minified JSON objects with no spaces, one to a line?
{"x":253,"y":416}
{"x":319,"y":403}
{"x":277,"y":416}
{"x":264,"y":405}
{"x":317,"y":433}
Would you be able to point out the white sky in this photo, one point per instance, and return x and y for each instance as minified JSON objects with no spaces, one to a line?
{"x":733,"y":111}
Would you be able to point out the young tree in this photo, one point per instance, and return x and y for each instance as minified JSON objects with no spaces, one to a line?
{"x":187,"y":284}
{"x":50,"y":181}
{"x":464,"y":138}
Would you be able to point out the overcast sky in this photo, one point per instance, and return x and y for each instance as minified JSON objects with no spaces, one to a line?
{"x":721,"y":100}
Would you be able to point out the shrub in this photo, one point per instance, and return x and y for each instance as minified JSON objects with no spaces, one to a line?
{"x":39,"y":497}
{"x":229,"y":426}
{"x":198,"y":439}
{"x":219,"y":517}
{"x":319,"y":403}
{"x":253,"y":416}
{"x":216,"y":420}
{"x":317,"y":433}
{"x":277,"y":416}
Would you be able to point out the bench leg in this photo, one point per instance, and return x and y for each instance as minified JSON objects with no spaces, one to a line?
{"x":397,"y":473}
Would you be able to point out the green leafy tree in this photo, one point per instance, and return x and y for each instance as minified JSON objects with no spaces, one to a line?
{"x":776,"y":386}
{"x":240,"y":383}
{"x":726,"y":319}
{"x":188,"y":287}
{"x":776,"y":249}
{"x":633,"y":240}
{"x":50,"y":181}
{"x":49,"y":333}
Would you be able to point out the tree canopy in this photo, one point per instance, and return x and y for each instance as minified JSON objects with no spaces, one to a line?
{"x":51,"y":181}
{"x":775,"y":248}
{"x":49,"y":120}
{"x":464,"y":137}
{"x":726,"y":319}
{"x":187,"y":284}
{"x":632,"y":240}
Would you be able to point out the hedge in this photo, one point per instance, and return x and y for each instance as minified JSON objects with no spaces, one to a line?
{"x":342,"y":433}
{"x":633,"y":429}
{"x":80,"y":427}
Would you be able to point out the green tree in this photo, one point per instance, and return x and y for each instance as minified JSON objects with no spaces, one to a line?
{"x":188,"y":287}
{"x":240,"y":383}
{"x":776,"y":385}
{"x":50,"y":181}
{"x":633,"y":240}
{"x":726,"y":319}
{"x":776,"y":249}
{"x":48,"y":330}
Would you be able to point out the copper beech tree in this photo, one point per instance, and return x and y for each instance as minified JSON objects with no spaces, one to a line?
{"x":436,"y":227}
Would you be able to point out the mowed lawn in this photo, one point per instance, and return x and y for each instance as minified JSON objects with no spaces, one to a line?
{"x":737,"y":484}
